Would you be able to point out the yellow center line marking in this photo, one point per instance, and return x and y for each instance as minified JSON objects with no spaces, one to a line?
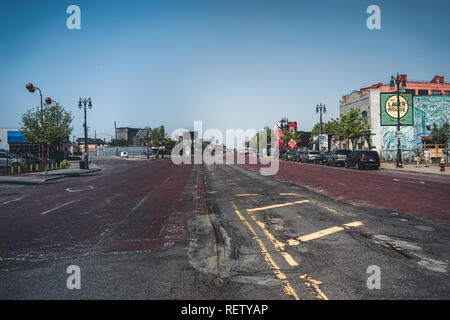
{"x":286,"y":286}
{"x":247,"y":194}
{"x":310,"y":282}
{"x":279,"y":246}
{"x":290,"y":194}
{"x":322,"y":233}
{"x":277,"y":205}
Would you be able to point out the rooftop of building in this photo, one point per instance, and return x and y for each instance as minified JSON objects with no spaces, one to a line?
{"x":437,"y":87}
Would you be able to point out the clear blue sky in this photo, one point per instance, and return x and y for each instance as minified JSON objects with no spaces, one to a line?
{"x":232,"y":64}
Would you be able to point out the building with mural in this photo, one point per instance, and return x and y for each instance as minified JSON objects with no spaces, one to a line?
{"x":422,"y":104}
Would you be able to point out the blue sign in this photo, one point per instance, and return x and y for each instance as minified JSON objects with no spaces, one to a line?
{"x":15,"y":137}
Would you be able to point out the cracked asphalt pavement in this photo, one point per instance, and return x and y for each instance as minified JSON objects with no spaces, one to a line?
{"x":155,"y":230}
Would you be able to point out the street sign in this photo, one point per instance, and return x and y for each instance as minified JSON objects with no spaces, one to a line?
{"x":390,"y":109}
{"x":292,"y":143}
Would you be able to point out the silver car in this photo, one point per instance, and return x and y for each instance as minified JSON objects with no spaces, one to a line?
{"x":7,"y":160}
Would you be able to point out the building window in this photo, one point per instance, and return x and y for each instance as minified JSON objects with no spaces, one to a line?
{"x":447,"y":93}
{"x":413,"y":91}
{"x":423,"y":92}
{"x":435,"y":92}
{"x":364,"y":115}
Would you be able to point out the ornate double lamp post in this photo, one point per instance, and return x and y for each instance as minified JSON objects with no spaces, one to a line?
{"x":320,"y":108}
{"x":86,"y":103}
{"x":401,"y":85}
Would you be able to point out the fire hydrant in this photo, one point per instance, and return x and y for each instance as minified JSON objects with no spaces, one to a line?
{"x":442,"y":164}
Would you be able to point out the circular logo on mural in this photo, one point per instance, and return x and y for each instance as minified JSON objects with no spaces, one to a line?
{"x":392,"y":107}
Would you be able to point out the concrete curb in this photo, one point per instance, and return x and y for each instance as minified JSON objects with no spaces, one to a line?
{"x":42,"y":179}
{"x":412,"y":171}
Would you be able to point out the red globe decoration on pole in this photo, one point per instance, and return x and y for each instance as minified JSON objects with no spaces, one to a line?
{"x":48,"y":101}
{"x":30,"y":87}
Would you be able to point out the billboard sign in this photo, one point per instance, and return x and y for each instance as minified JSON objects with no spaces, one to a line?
{"x":389,"y":109}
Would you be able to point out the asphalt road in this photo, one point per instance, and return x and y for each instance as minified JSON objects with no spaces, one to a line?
{"x":154,"y":230}
{"x":317,"y":247}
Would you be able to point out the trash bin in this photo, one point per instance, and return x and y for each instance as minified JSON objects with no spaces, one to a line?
{"x":82,"y":164}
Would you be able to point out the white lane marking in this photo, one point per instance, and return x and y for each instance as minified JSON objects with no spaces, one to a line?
{"x":12,"y":201}
{"x":139,"y":204}
{"x":58,"y":207}
{"x":90,"y":179}
{"x":86,"y":188}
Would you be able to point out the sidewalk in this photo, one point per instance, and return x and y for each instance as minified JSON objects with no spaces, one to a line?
{"x":432,"y":169}
{"x":40,"y":177}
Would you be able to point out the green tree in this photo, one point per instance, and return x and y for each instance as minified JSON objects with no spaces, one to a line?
{"x":157,"y":136}
{"x":440,"y":135}
{"x":53,"y":129}
{"x":290,"y":135}
{"x":263,"y":138}
{"x":352,"y":126}
{"x":332,"y":127}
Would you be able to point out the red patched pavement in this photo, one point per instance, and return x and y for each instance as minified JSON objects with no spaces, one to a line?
{"x":418,"y":194}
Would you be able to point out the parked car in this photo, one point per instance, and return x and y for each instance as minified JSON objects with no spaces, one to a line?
{"x":363,"y":159}
{"x":337,"y":157}
{"x":7,"y":160}
{"x":321,"y":158}
{"x":297,"y":155}
{"x":309,"y":156}
{"x":288,"y":155}
{"x":30,"y":158}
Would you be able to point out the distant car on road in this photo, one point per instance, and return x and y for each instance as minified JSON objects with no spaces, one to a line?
{"x":363,"y":159}
{"x":337,"y":157}
{"x":309,"y":156}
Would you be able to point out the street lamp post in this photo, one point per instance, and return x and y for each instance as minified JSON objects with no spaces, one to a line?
{"x":85,"y":102}
{"x":32,"y":88}
{"x":320,"y":108}
{"x":401,"y":85}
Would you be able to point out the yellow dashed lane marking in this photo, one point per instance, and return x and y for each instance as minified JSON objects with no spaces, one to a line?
{"x":322,"y":233}
{"x":246,"y":194}
{"x":277,"y":205}
{"x":290,"y":194}
{"x":286,"y":286}
{"x":329,"y":209}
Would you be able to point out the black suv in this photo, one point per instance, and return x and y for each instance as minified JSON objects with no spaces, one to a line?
{"x":363,"y":159}
{"x":338,"y":156}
